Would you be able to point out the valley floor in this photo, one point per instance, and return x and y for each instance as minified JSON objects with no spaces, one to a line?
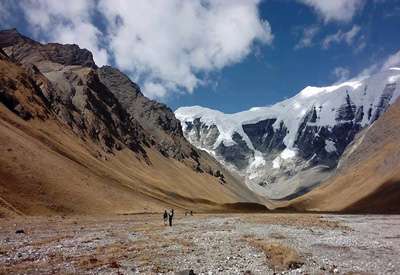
{"x":222,"y":244}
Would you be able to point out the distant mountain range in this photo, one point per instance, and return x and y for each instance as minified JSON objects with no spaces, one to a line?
{"x":285,"y":150}
{"x":76,"y":138}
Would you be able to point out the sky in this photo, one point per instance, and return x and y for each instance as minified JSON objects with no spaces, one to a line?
{"x":228,"y":55}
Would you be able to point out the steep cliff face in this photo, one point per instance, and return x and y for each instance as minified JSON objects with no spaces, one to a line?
{"x":72,"y":133}
{"x":157,"y":119}
{"x":264,"y":137}
{"x":289,"y":148}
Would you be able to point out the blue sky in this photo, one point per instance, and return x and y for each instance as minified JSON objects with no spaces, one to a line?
{"x":226,"y":55}
{"x":282,"y":71}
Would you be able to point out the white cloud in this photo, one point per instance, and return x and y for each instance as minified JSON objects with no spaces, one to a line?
{"x":341,"y":74}
{"x":65,"y":22}
{"x":308,"y":35}
{"x":154,"y":90}
{"x":340,"y":36}
{"x":374,"y":68}
{"x":335,"y":10}
{"x":171,"y":42}
{"x":392,"y":61}
{"x":165,"y":45}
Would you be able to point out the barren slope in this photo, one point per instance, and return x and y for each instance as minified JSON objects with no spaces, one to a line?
{"x":67,"y":146}
{"x":45,"y":170}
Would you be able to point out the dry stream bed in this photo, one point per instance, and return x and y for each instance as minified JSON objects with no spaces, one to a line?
{"x":208,"y":244}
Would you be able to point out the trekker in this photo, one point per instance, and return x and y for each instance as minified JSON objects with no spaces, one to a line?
{"x":165,"y":217}
{"x":170,"y":216}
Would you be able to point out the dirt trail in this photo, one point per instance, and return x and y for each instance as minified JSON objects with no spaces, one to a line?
{"x":220,"y":244}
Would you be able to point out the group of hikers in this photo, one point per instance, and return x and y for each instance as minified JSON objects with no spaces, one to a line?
{"x":169,"y":215}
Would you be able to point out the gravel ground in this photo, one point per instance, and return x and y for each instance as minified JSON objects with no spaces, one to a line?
{"x":208,"y":244}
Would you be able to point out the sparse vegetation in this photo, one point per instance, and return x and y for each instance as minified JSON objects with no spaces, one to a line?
{"x":279,"y":257}
{"x":296,"y":220}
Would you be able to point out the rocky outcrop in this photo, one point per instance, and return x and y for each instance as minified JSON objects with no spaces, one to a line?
{"x":155,"y":114}
{"x":157,"y":119}
{"x":204,"y":135}
{"x":21,"y":95}
{"x":384,"y":100}
{"x":264,"y":137}
{"x":238,"y":153}
{"x":25,"y":50}
{"x":323,"y":145}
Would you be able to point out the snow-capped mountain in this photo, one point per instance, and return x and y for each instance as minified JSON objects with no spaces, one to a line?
{"x":286,"y":149}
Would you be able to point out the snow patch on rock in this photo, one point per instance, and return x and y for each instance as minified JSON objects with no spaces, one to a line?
{"x":330,"y":146}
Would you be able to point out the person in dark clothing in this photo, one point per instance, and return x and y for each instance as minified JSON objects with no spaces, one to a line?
{"x":165,"y":217}
{"x":170,"y":217}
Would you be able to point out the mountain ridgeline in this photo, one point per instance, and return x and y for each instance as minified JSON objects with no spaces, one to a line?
{"x":78,"y":138}
{"x":289,"y":148}
{"x":78,"y":90}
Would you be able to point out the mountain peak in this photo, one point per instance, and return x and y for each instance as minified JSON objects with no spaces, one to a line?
{"x":11,"y":37}
{"x":316,"y":126}
{"x":25,"y":50}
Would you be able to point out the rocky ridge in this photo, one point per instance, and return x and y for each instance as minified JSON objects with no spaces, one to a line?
{"x":101,"y":103}
{"x":89,"y":134}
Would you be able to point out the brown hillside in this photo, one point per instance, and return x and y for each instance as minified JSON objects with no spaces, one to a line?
{"x":68,"y":147}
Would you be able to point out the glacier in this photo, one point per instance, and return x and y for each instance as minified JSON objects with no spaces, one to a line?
{"x":290,"y":147}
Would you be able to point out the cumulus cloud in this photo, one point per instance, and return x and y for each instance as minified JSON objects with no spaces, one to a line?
{"x":164,"y":45}
{"x":335,"y":10}
{"x":154,"y":90}
{"x":340,"y":36}
{"x":169,"y":43}
{"x":341,"y":74}
{"x":307,"y":37}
